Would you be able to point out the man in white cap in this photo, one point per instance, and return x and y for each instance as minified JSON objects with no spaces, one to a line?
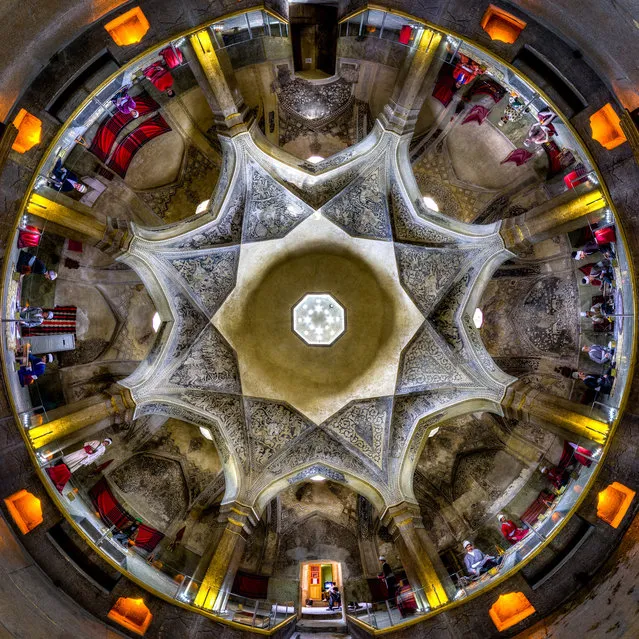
{"x":389,"y":578}
{"x":510,"y":531}
{"x":476,"y":562}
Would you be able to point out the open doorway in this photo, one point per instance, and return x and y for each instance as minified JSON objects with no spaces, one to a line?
{"x":314,"y":39}
{"x":315,"y":579}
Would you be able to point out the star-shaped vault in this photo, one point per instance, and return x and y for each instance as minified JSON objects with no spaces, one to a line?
{"x":225,"y":283}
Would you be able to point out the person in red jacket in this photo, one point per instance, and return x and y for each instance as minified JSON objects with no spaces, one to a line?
{"x":510,"y":531}
{"x":160,"y":77}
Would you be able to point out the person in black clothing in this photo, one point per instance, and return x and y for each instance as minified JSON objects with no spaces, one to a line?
{"x":601,"y":383}
{"x":388,"y":576}
{"x":28,"y":263}
{"x":334,"y":597}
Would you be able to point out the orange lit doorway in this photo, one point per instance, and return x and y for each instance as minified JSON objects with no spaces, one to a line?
{"x":314,"y":577}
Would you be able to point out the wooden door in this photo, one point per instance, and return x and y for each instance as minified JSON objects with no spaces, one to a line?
{"x":314,"y":585}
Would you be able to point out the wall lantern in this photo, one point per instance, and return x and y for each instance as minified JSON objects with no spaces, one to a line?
{"x":614,"y":502}
{"x":501,"y":25}
{"x":131,"y":614}
{"x":25,"y":509}
{"x":510,"y":609}
{"x":606,"y":128}
{"x":128,"y":28}
{"x":29,"y":131}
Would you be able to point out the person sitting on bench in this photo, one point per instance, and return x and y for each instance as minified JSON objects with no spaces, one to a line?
{"x":476,"y":562}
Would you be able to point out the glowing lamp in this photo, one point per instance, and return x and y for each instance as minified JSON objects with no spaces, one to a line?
{"x":29,"y":131}
{"x":25,"y":510}
{"x":501,"y":25}
{"x":606,"y":128}
{"x":614,"y":502}
{"x":131,"y":614}
{"x":510,"y":609}
{"x":128,"y":28}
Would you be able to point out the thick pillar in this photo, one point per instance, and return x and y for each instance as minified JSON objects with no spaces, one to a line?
{"x":238,"y":521}
{"x":419,"y":557}
{"x":400,"y":114}
{"x":76,"y":222}
{"x":560,"y":414}
{"x":215,"y":82}
{"x":119,"y":405}
{"x":545,"y":221}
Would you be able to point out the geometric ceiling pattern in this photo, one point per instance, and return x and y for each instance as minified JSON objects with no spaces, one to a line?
{"x":353,"y":226}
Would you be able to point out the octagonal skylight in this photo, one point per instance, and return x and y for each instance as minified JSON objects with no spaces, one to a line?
{"x":319,"y":319}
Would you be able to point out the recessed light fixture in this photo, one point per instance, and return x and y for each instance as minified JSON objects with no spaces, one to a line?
{"x":430,"y":203}
{"x":318,"y":478}
{"x":434,"y":431}
{"x":202,"y":207}
{"x":478,"y":318}
{"x":156,"y":321}
{"x":315,"y":159}
{"x":206,"y":432}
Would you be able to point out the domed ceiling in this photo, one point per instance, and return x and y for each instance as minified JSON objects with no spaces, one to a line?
{"x":353,"y":227}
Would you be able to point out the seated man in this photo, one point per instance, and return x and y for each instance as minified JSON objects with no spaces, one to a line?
{"x":556,"y":476}
{"x":31,"y":316}
{"x":28,"y":263}
{"x":598,"y":274}
{"x":34,"y":369}
{"x":599,"y":383}
{"x":334,"y":597}
{"x":592,"y":247}
{"x":599,"y":354}
{"x":123,"y":536}
{"x":476,"y":562}
{"x":510,"y":531}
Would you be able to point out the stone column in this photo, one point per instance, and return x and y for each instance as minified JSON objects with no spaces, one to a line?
{"x":366,"y":538}
{"x":269,"y":551}
{"x":75,"y":221}
{"x":565,"y":212}
{"x":419,"y":557}
{"x":400,"y":114}
{"x":215,"y":81}
{"x":556,"y":413}
{"x":238,"y":521}
{"x":119,"y":405}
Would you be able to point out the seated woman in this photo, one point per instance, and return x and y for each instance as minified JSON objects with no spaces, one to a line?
{"x":124,"y":103}
{"x":160,"y":77}
{"x":510,"y":531}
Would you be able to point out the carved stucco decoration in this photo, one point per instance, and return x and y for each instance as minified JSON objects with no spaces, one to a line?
{"x":359,"y":211}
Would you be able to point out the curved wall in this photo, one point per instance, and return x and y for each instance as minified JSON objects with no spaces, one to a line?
{"x":620,"y":173}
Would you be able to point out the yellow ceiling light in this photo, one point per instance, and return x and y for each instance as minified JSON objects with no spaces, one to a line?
{"x":606,"y":128}
{"x":128,"y":28}
{"x":501,"y":25}
{"x":29,"y":131}
{"x":614,"y":502}
{"x":156,"y":322}
{"x":510,"y":609}
{"x":132,"y":614}
{"x":25,"y":510}
{"x":478,"y":318}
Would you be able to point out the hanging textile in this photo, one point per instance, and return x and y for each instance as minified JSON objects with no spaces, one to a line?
{"x":63,"y":322}
{"x":132,"y":143}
